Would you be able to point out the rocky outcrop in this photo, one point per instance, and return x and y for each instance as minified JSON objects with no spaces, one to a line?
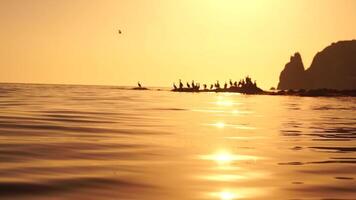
{"x":332,"y":68}
{"x":292,"y":74}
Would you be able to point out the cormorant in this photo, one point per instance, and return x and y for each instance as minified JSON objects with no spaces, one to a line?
{"x":217,"y":85}
{"x":180,"y":84}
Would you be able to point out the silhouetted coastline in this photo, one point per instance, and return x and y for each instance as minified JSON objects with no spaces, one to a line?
{"x":301,"y":92}
{"x":333,"y":68}
{"x":332,"y":74}
{"x":246,"y":86}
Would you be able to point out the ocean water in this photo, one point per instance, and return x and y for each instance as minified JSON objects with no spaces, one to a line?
{"x":101,"y":142}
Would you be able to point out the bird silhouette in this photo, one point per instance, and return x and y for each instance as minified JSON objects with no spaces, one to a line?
{"x":188,"y":85}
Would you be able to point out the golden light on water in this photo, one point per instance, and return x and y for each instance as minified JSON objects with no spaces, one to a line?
{"x":115,"y":142}
{"x":219,"y":125}
{"x":226,"y":195}
{"x":224,"y":157}
{"x":235,"y":112}
{"x":231,"y":194}
{"x":244,"y":127}
{"x":224,"y":177}
{"x":243,"y":138}
{"x":208,"y":111}
{"x":225,"y":103}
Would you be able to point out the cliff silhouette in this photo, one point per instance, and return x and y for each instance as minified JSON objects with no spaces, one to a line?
{"x":332,"y":68}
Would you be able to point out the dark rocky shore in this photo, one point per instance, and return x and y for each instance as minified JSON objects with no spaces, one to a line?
{"x":331,"y":74}
{"x":332,"y":68}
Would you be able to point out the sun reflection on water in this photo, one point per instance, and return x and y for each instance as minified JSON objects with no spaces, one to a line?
{"x":224,"y":177}
{"x":224,"y":157}
{"x":235,"y":112}
{"x":226,"y":195}
{"x":219,"y":124}
{"x":225,"y":103}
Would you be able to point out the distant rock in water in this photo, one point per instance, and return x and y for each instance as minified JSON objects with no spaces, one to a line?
{"x":140,"y":88}
{"x":332,"y":68}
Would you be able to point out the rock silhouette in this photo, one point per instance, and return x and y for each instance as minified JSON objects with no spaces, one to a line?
{"x":332,"y":68}
{"x":293,"y":74}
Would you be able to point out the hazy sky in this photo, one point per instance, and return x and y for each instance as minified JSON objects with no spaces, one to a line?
{"x":76,"y":41}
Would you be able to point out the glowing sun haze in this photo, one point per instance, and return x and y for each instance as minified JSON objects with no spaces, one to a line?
{"x":77,"y":41}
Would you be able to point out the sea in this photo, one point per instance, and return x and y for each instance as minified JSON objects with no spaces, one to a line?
{"x":107,"y":142}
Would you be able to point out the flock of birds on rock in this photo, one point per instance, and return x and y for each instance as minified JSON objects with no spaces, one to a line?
{"x":244,"y":85}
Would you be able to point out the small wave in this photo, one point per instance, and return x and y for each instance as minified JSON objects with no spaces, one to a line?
{"x":14,"y":189}
{"x":335,"y":149}
{"x":333,"y":108}
{"x":343,"y":178}
{"x":291,"y":163}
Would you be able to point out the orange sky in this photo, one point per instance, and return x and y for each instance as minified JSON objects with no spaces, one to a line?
{"x":76,"y":41}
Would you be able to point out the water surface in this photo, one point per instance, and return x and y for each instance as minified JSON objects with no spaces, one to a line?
{"x":101,"y":142}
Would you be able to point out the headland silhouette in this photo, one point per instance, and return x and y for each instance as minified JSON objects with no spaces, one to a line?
{"x":332,"y":68}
